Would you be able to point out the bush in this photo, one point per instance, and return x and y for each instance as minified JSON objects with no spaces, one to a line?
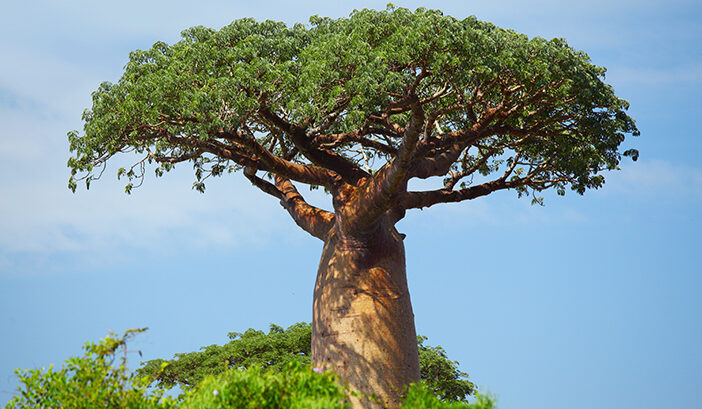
{"x":420,"y":396}
{"x":95,"y":381}
{"x":299,"y":387}
{"x":275,"y":350}
{"x":92,"y":381}
{"x":295,"y":387}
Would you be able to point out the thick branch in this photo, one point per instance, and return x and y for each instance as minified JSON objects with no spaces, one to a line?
{"x":329,"y":160}
{"x":263,"y":159}
{"x":418,"y":200}
{"x":247,"y":152}
{"x":262,"y":184}
{"x":379,"y":193}
{"x":440,"y":163}
{"x":311,"y":219}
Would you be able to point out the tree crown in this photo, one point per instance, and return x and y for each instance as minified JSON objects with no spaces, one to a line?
{"x":366,"y":102}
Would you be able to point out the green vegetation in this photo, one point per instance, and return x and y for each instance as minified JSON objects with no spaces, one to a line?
{"x":295,"y":387}
{"x":95,"y":380}
{"x":91,"y":381}
{"x":273,"y":352}
{"x":299,"y":387}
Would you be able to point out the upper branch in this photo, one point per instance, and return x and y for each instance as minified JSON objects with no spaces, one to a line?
{"x":334,"y":140}
{"x":245,"y":151}
{"x":378,"y":194}
{"x":321,"y":157}
{"x":267,"y":161}
{"x":537,"y":178}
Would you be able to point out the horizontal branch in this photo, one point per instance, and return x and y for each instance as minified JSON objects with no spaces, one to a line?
{"x":418,"y":200}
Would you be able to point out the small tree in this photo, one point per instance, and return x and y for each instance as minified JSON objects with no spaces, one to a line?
{"x":361,"y":106}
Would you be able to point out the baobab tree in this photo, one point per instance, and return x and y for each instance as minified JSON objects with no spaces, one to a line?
{"x":360,"y":106}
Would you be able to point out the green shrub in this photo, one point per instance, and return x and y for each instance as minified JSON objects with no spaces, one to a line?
{"x":421,"y":396}
{"x":92,"y":381}
{"x":275,"y":350}
{"x":96,"y":381}
{"x":253,"y":348}
{"x":441,"y":375}
{"x":295,"y":387}
{"x":299,"y":387}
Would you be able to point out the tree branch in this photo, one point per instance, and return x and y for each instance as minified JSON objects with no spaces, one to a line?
{"x":345,"y":168}
{"x":378,"y":194}
{"x":454,"y":144}
{"x":311,"y":219}
{"x":418,"y":200}
{"x":334,"y":140}
{"x":266,"y":161}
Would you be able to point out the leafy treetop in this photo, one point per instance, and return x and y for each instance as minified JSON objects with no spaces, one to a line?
{"x":369,"y":101}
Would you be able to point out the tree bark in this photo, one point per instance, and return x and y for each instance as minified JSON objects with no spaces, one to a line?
{"x":363,"y":324}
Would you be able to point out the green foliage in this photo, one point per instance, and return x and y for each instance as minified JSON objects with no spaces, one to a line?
{"x":95,"y":381}
{"x":274,"y":351}
{"x":553,"y":112}
{"x":420,"y":396}
{"x":295,"y":387}
{"x":299,"y":387}
{"x":442,"y":375}
{"x":89,"y":382}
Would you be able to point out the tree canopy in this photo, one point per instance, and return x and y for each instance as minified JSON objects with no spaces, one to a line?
{"x":371,"y":100}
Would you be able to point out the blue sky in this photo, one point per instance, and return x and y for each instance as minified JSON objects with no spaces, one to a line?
{"x":587,"y":302}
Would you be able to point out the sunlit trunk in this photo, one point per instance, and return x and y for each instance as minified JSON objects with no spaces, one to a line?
{"x":363,"y":324}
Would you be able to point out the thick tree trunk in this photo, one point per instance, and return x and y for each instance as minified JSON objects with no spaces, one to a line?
{"x":363,"y":324}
